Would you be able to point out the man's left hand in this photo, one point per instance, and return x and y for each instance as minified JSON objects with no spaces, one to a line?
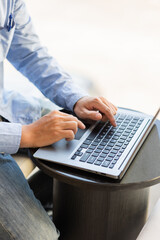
{"x":95,"y":108}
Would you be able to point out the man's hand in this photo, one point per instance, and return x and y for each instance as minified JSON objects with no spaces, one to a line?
{"x":49,"y":129}
{"x":95,"y":108}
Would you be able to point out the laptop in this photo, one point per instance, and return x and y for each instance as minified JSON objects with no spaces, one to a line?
{"x":102,"y":148}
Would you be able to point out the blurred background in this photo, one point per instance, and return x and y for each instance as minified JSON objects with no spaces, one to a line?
{"x":110,"y":47}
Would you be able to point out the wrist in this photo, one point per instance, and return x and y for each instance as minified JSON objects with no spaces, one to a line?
{"x":78,"y":101}
{"x":26,"y":137}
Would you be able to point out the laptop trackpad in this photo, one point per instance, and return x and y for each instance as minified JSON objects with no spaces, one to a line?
{"x":61,"y":149}
{"x":69,"y":146}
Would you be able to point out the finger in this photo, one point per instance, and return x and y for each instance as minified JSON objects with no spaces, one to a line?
{"x":59,"y":113}
{"x":71,"y":125}
{"x":113,"y":107}
{"x":110,"y":117}
{"x":99,"y":105}
{"x":69,"y":135}
{"x":109,"y":104}
{"x":81,"y":125}
{"x":93,"y":115}
{"x":72,"y":118}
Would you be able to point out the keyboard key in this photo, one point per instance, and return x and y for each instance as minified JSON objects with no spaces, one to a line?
{"x":110,"y":144}
{"x":123,"y":137}
{"x":119,"y":154}
{"x":129,"y":118}
{"x":92,"y":147}
{"x":89,"y":151}
{"x":115,"y":138}
{"x":136,"y":118}
{"x":91,"y":160}
{"x":121,"y":141}
{"x":84,"y":146}
{"x":103,"y":144}
{"x":105,"y":151}
{"x":106,"y":163}
{"x":95,"y":154}
{"x":87,"y":142}
{"x":126,"y":121}
{"x":114,"y":161}
{"x":107,"y":137}
{"x":100,"y":137}
{"x":94,"y":144}
{"x":118,"y":134}
{"x":111,"y":155}
{"x":129,"y":129}
{"x":98,"y":162}
{"x":112,"y":165}
{"x":134,"y":131}
{"x":97,"y":151}
{"x":121,"y":150}
{"x":106,"y":141}
{"x":108,"y":148}
{"x":141,"y":120}
{"x":124,"y":146}
{"x":124,"y":125}
{"x":121,"y":128}
{"x":73,"y":157}
{"x":114,"y":151}
{"x":102,"y":155}
{"x":131,"y":125}
{"x":133,"y":122}
{"x":116,"y":147}
{"x":109,"y":158}
{"x":79,"y":149}
{"x":128,"y":140}
{"x":84,"y":157}
{"x":77,"y":153}
{"x":100,"y":147}
{"x":116,"y":158}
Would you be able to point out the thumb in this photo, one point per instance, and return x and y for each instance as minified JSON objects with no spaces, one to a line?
{"x":93,"y":115}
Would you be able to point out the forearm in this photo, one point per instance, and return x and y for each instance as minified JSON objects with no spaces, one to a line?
{"x":10,"y":137}
{"x":33,"y":61}
{"x":49,"y":129}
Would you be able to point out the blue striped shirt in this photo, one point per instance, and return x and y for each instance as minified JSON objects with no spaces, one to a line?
{"x":21,"y":46}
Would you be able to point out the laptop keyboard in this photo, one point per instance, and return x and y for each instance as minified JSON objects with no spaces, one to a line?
{"x":105,"y":144}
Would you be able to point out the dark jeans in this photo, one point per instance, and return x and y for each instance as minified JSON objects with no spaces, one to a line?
{"x":22,"y":216}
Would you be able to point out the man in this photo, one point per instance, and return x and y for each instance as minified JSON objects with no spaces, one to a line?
{"x":21,"y":214}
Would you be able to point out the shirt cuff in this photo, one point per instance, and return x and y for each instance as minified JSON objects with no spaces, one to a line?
{"x":10,"y":137}
{"x":73,"y":99}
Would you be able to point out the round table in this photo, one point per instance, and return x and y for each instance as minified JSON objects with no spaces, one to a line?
{"x":91,"y":207}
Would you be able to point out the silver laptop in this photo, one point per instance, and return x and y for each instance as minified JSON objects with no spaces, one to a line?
{"x":101,"y":148}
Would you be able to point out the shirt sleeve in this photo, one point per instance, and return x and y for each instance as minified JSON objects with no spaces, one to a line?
{"x":10,"y":133}
{"x":33,"y":61}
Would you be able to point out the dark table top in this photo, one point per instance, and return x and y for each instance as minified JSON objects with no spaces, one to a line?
{"x":143,"y":172}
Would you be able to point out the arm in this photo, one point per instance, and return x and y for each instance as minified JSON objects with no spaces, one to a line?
{"x":10,"y":136}
{"x":33,"y":61}
{"x":45,"y":131}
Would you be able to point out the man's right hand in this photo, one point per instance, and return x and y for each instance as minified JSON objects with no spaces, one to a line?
{"x":50,"y":129}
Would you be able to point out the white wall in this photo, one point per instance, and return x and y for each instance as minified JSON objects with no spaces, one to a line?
{"x":114,"y":43}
